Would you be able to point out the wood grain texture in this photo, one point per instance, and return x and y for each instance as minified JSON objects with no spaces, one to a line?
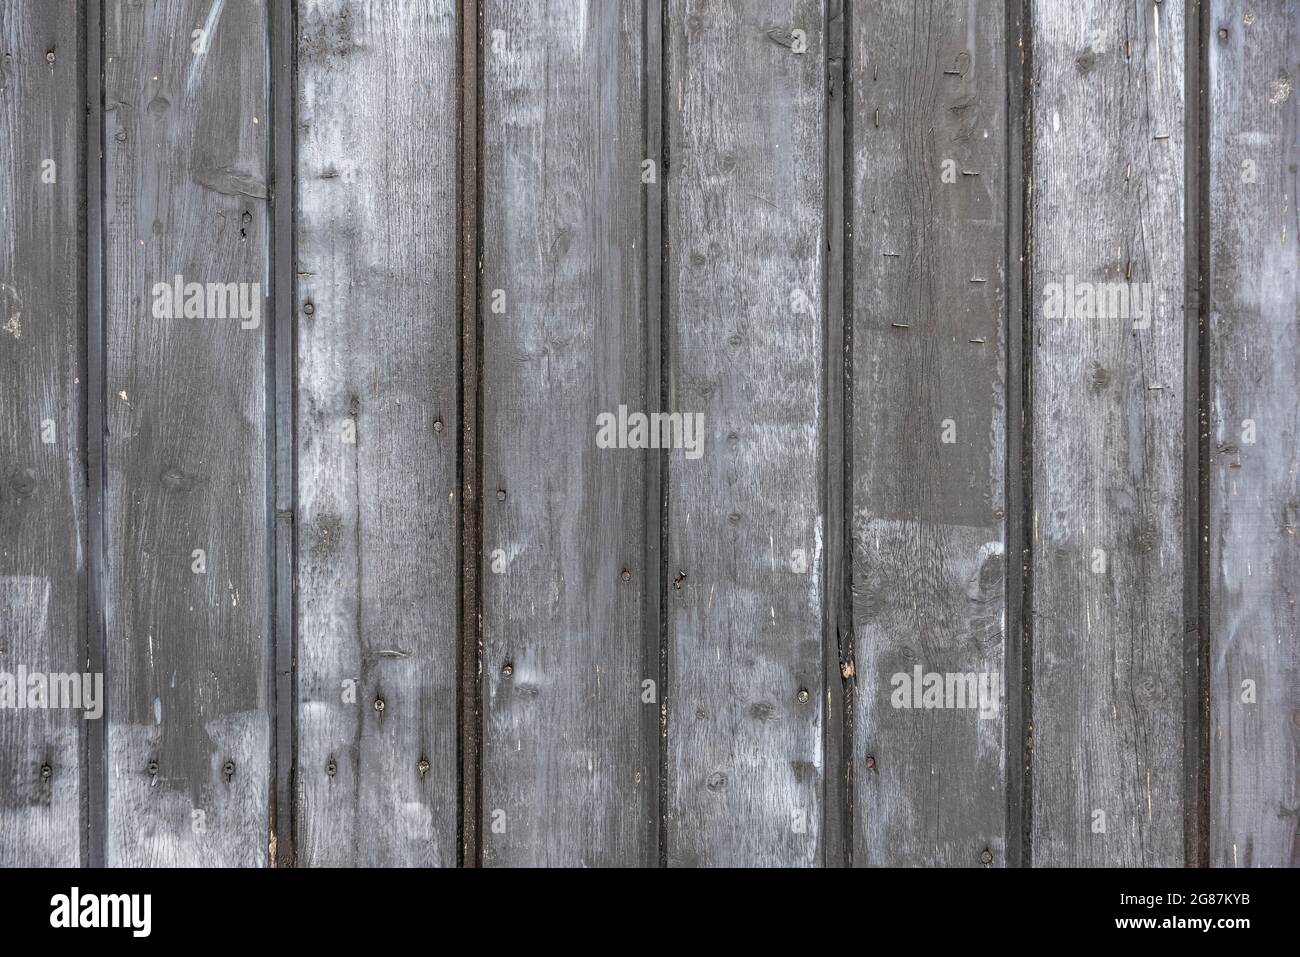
{"x":42,"y":461}
{"x":929,"y":270}
{"x":1107,"y":434}
{"x":1254,"y":346}
{"x":566,"y":777}
{"x":745,"y":304}
{"x":377,"y":425}
{"x":185,"y":194}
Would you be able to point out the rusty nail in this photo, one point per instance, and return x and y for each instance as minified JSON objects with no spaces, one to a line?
{"x":626,"y":576}
{"x":871,"y":762}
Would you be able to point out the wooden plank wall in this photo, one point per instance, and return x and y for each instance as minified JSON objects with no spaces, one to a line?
{"x":929,"y":275}
{"x":378,"y":416}
{"x":745,"y":307}
{"x":567,"y":776}
{"x":187,"y":564}
{"x":1106,"y":432}
{"x":1254,"y":381}
{"x":979,"y":548}
{"x":42,"y":436}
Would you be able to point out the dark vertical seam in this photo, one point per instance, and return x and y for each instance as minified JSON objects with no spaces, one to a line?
{"x":665,"y":371}
{"x":652,"y":317}
{"x":94,"y":837}
{"x":1019,"y":408}
{"x":1196,"y":547}
{"x":281,"y":420}
{"x":836,"y":758}
{"x":469,"y":665}
{"x":847,"y":638}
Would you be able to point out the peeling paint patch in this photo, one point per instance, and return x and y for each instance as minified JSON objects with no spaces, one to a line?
{"x":1279,"y":90}
{"x":10,"y":300}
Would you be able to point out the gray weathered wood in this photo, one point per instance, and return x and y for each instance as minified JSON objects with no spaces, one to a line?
{"x":42,"y":464}
{"x":1107,"y":436}
{"x":745,"y":313}
{"x":377,"y":425}
{"x":1254,"y":349}
{"x":929,"y":273}
{"x":185,"y":194}
{"x":566,"y":778}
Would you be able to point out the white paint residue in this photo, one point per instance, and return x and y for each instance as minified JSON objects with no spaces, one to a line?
{"x":1279,"y":90}
{"x":214,"y":14}
{"x":1157,"y":15}
{"x":12,"y":324}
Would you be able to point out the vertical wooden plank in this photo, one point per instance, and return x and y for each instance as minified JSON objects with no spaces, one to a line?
{"x":377,"y":423}
{"x":1254,"y":349}
{"x":746,"y":91}
{"x":929,"y":340}
{"x":470,"y":713}
{"x":1107,"y":275}
{"x":42,"y":461}
{"x":282,"y":402}
{"x":188,"y":570}
{"x":566,"y":779}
